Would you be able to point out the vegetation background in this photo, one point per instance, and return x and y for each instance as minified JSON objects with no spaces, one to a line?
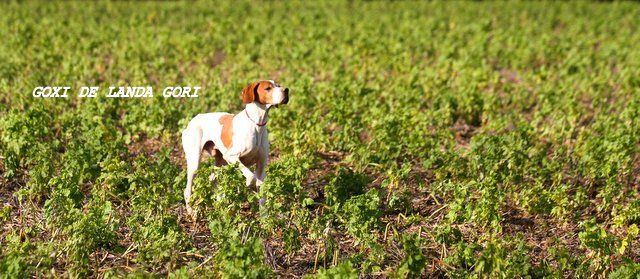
{"x":423,"y":139}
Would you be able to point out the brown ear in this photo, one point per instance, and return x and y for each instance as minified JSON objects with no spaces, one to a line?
{"x":247,"y":93}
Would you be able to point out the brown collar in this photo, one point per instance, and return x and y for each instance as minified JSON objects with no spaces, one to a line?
{"x":259,"y":124}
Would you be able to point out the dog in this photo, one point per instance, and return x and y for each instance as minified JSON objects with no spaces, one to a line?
{"x":241,"y":138}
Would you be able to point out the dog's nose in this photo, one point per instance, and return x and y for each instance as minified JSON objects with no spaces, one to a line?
{"x":286,"y":96}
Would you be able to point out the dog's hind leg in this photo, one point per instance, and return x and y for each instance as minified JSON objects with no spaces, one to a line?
{"x":210,"y":149}
{"x":191,"y":143}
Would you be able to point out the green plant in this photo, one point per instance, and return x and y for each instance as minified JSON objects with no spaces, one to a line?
{"x":505,"y":134}
{"x":414,"y":261}
{"x":343,"y":270}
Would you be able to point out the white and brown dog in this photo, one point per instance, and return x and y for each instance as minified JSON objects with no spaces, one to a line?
{"x":241,"y":138}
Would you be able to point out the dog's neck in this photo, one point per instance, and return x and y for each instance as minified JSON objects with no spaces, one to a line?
{"x":257,"y":113}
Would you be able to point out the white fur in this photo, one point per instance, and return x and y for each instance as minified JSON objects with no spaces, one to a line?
{"x":277,"y":94}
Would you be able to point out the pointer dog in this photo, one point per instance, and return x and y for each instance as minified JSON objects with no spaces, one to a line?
{"x":241,"y":138}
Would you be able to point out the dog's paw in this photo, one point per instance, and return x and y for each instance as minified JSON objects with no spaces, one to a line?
{"x":212,"y":177}
{"x":192,"y":214}
{"x":250,"y":181}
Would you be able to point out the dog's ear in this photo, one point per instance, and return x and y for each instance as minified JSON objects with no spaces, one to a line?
{"x":248,"y":94}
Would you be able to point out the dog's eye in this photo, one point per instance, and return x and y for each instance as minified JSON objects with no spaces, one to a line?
{"x":268,"y":88}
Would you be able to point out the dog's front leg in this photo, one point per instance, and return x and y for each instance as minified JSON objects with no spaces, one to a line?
{"x":248,"y":174}
{"x":261,"y":171}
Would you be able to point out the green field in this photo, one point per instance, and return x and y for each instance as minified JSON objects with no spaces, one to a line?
{"x":446,"y":139}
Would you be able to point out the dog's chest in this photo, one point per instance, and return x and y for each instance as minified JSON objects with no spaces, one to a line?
{"x":253,"y":143}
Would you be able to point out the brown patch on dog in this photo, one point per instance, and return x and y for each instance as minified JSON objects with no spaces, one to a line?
{"x":263,"y":91}
{"x":227,"y":130}
{"x":247,"y":93}
{"x":259,"y":91}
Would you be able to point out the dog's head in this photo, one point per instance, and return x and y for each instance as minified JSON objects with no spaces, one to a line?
{"x":266,"y":92}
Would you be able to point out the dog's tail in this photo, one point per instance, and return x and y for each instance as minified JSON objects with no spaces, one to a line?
{"x":191,"y":143}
